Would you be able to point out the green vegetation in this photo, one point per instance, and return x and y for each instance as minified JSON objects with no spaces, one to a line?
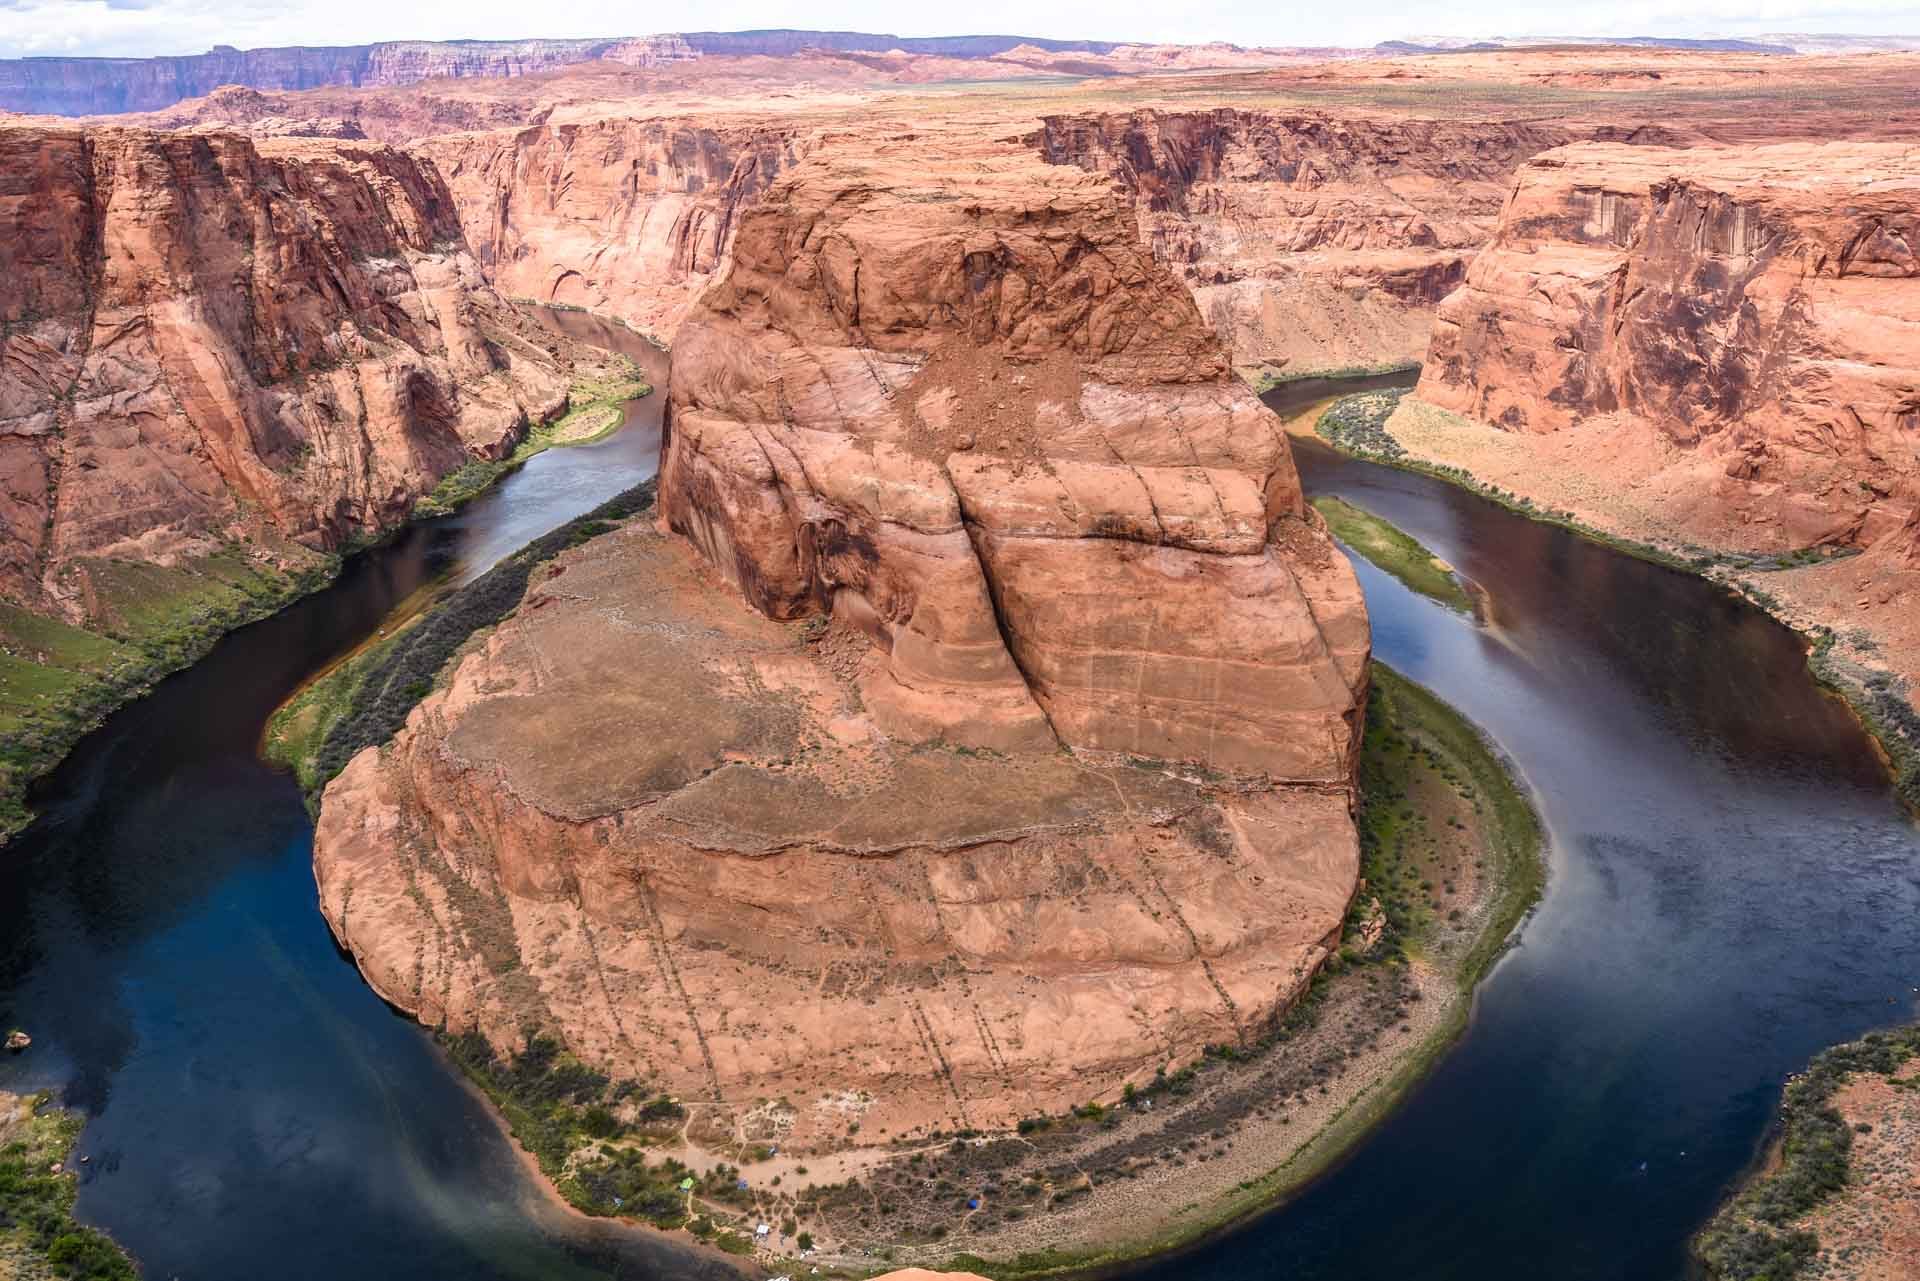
{"x":1268,"y":379}
{"x":593,"y":411}
{"x":1753,"y":1237}
{"x":1394,"y":551}
{"x":1410,"y":728}
{"x":58,"y":681}
{"x":363,"y":701}
{"x":1876,"y":698}
{"x":590,"y":1135}
{"x":39,"y":1237}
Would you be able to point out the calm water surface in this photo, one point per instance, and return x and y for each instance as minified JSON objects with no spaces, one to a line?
{"x":1732,"y":890}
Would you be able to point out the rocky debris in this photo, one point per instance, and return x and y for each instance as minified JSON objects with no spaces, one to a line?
{"x":781,"y":865}
{"x":211,"y":337}
{"x":1750,"y":309}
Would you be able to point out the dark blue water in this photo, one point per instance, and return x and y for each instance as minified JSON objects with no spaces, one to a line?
{"x":1733,"y":888}
{"x":254,"y":1110}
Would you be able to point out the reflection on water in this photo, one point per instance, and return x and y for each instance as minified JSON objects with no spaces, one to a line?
{"x":255,"y":1110}
{"x":1733,"y":889}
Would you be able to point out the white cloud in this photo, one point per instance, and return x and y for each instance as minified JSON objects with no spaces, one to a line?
{"x":143,"y":27}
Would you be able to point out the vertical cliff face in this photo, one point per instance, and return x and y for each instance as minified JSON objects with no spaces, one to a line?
{"x":1001,"y":694}
{"x":210,"y":337}
{"x":971,"y":414}
{"x":624,"y":217}
{"x":1751,"y":310}
{"x":1308,"y":241}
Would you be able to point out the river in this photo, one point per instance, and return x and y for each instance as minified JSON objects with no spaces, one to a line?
{"x":1732,"y":889}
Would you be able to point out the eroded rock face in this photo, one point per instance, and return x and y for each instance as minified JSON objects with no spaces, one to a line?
{"x":1755,"y":309}
{"x":1309,"y":241}
{"x":210,"y":337}
{"x":967,"y":412}
{"x":625,"y":217}
{"x":980,"y":734}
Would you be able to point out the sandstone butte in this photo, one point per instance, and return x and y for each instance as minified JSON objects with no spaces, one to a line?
{"x":973,"y":732}
{"x":210,"y":337}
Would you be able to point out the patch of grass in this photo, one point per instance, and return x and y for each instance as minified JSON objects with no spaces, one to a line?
{"x":1752,"y":1238}
{"x":1394,"y":551}
{"x":1358,"y":423}
{"x":39,"y":1237}
{"x":58,"y":681}
{"x":1406,"y":719}
{"x":588,"y":1133}
{"x":1267,"y":379}
{"x":1879,"y":701}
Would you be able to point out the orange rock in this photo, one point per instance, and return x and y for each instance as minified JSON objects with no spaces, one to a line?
{"x":851,"y":868}
{"x":1751,"y":306}
{"x":1101,"y":567}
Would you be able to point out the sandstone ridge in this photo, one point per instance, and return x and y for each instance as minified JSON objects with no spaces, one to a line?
{"x":980,"y":738}
{"x":1751,"y":312}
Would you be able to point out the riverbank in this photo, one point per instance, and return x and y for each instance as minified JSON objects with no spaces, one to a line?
{"x":39,"y":1237}
{"x":1417,"y":568}
{"x":1861,"y":645}
{"x":364,"y":698}
{"x":1837,"y":1193}
{"x":594,"y":412}
{"x":59,"y":682}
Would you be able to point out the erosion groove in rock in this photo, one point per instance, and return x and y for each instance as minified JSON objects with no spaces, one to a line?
{"x":974,"y":732}
{"x":624,"y":217}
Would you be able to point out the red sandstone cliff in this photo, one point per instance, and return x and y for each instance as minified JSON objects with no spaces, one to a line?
{"x":1309,"y":241}
{"x":1752,"y":312}
{"x":624,"y":217}
{"x":893,"y":868}
{"x":210,"y":337}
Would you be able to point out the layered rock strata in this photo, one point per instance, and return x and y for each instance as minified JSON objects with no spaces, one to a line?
{"x":1309,"y":241}
{"x":209,"y":337}
{"x":625,"y":217}
{"x":977,"y":734}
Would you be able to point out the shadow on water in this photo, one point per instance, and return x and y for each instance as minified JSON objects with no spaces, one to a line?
{"x":1733,"y":889}
{"x":254,"y":1110}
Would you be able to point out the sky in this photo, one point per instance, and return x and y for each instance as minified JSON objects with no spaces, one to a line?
{"x":144,"y":27}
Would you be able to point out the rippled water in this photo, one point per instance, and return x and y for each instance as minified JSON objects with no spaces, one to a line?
{"x":1732,"y":890}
